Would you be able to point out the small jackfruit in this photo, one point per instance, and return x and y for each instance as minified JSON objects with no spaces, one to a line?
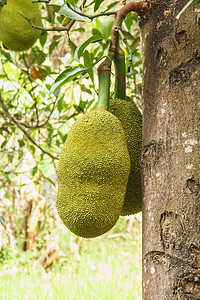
{"x":131,"y":119}
{"x":15,"y":31}
{"x":93,"y":171}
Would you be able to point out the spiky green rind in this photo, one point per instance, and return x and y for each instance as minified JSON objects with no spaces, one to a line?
{"x":131,"y":119}
{"x":93,"y":172}
{"x":15,"y":31}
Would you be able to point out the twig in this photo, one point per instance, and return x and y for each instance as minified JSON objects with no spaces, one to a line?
{"x":45,"y":29}
{"x":39,"y":125}
{"x":13,"y":172}
{"x":22,"y":129}
{"x":71,"y":23}
{"x":109,"y":13}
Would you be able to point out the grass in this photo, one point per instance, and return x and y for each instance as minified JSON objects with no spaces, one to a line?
{"x":109,"y":268}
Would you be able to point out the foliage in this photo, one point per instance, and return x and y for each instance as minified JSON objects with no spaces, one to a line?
{"x":5,"y":254}
{"x":44,"y":90}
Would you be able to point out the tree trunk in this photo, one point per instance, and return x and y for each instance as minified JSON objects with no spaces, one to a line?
{"x":170,"y":155}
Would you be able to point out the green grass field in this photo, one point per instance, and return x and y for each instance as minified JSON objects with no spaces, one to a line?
{"x":109,"y":268}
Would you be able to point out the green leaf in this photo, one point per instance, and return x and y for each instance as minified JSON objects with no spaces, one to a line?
{"x":46,"y":168}
{"x":33,"y":171}
{"x":97,"y":4}
{"x":21,"y":143}
{"x":130,"y":18}
{"x":79,"y":50}
{"x":78,"y":30}
{"x":40,"y":58}
{"x":72,"y":46}
{"x":72,"y":2}
{"x":60,"y":104}
{"x":112,"y":5}
{"x":95,"y":31}
{"x":51,"y":9}
{"x":97,"y":24}
{"x":107,"y":25}
{"x":69,"y":74}
{"x":43,"y":38}
{"x":72,"y":12}
{"x":135,"y":43}
{"x":87,"y":58}
{"x":32,"y":148}
{"x":85,"y":89}
{"x":2,"y":221}
{"x":10,"y":156}
{"x":62,"y":136}
{"x":52,"y":46}
{"x":128,"y":35}
{"x":88,"y":62}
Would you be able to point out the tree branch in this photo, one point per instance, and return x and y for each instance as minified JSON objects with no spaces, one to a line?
{"x":13,"y":172}
{"x":41,"y":124}
{"x":21,"y":128}
{"x":140,"y":8}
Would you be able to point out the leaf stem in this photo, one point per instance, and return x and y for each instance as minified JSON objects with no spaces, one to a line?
{"x":43,"y":28}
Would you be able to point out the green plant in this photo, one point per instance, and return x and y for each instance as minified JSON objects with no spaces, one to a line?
{"x":5,"y":254}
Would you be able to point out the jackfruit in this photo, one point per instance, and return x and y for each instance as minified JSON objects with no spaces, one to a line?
{"x":131,"y":119}
{"x":93,"y":171}
{"x":15,"y":31}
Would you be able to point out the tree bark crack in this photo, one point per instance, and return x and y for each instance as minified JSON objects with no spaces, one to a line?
{"x":193,"y":185}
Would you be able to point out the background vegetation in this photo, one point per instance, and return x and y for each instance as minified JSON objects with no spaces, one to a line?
{"x":34,"y":124}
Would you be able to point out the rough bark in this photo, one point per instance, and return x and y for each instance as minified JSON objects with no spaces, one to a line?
{"x":170,"y":155}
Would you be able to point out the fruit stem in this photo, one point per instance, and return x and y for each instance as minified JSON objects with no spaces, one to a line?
{"x":104,"y":71}
{"x":120,"y":75}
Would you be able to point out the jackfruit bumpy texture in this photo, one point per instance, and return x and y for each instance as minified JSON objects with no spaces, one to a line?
{"x":15,"y":31}
{"x":131,"y":119}
{"x":93,"y":171}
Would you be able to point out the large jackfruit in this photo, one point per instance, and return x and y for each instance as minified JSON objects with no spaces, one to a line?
{"x":15,"y":31}
{"x":93,"y":171}
{"x":130,"y":117}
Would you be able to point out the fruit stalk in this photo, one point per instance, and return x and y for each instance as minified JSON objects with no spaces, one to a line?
{"x":104,"y":71}
{"x":120,"y":75}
